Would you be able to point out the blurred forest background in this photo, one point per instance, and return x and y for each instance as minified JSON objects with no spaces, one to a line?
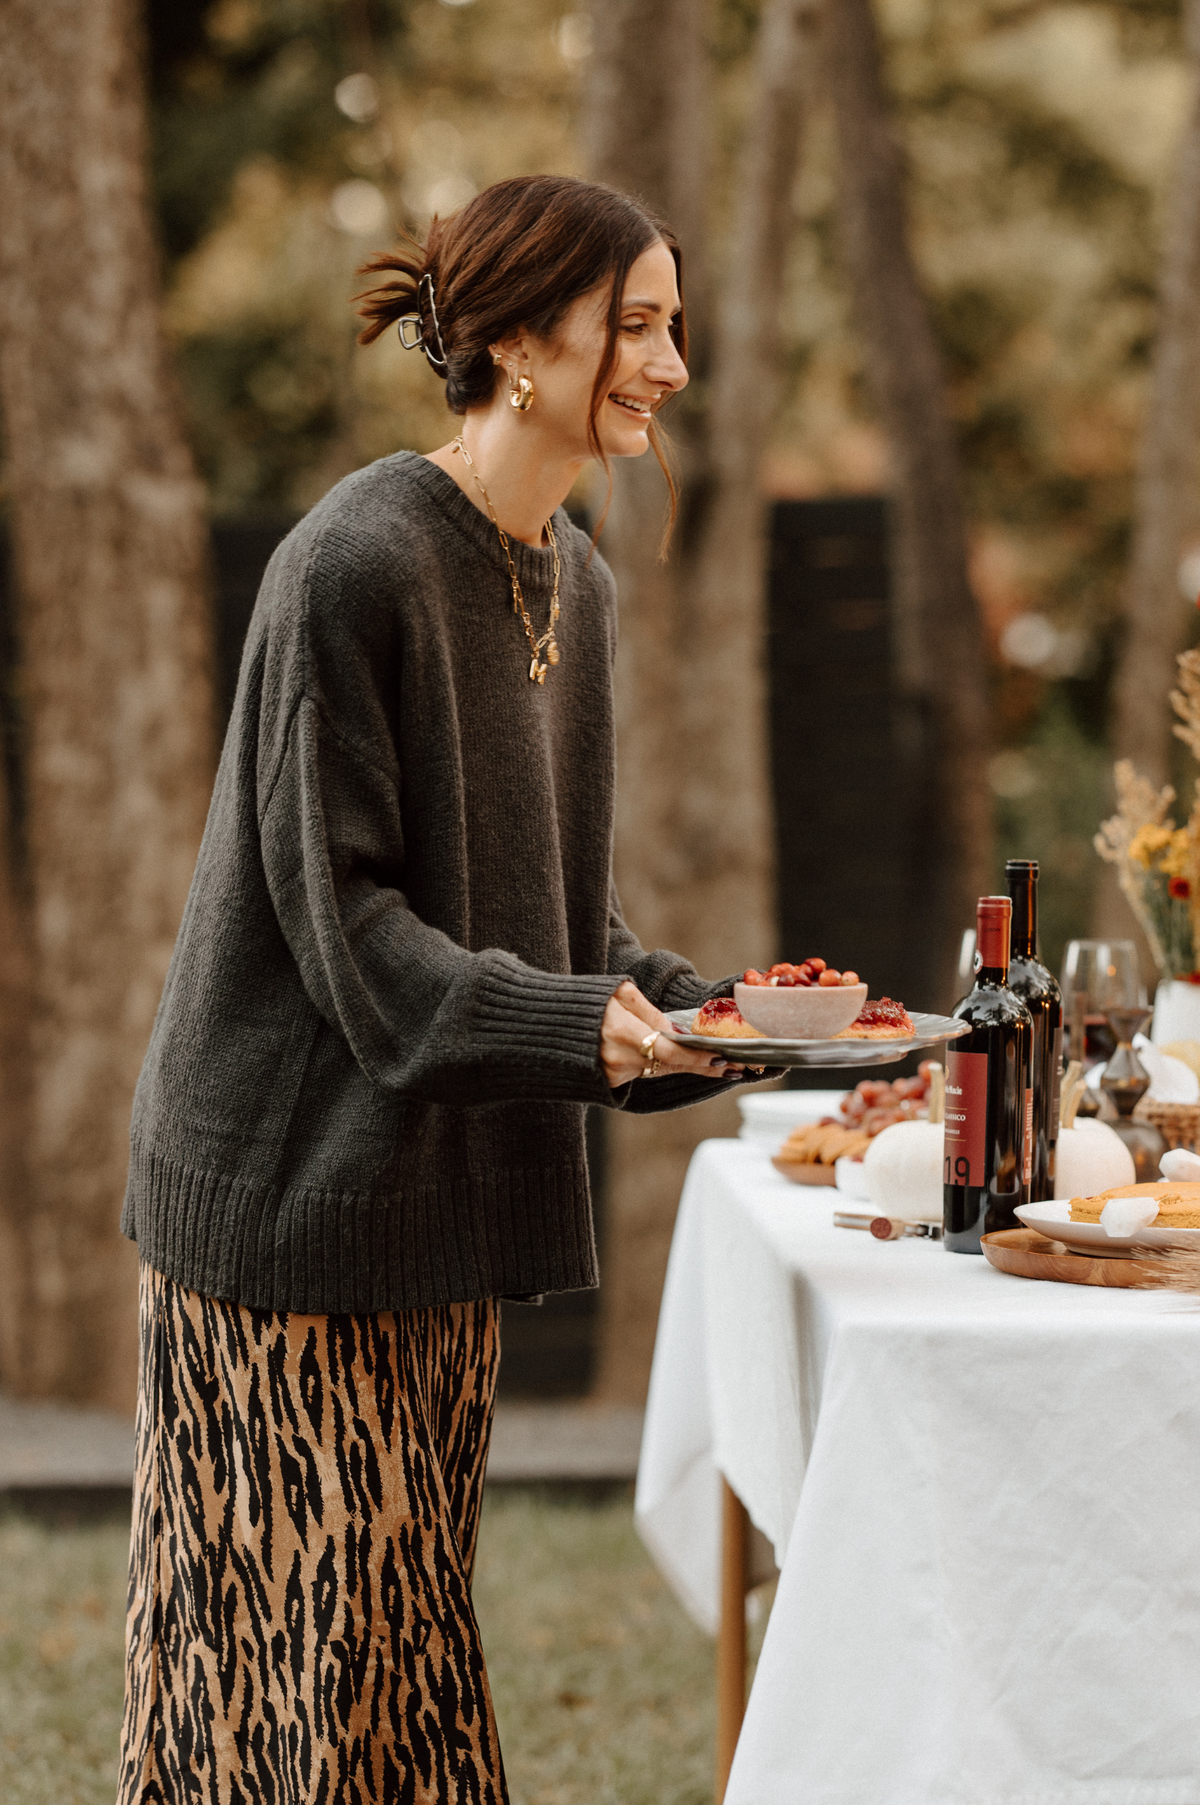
{"x":1040,"y":140}
{"x":1039,"y":147}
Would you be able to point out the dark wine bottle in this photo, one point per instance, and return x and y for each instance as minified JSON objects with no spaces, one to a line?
{"x":1040,"y":994}
{"x":989,"y":1099}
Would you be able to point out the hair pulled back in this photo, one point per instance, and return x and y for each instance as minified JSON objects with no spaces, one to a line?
{"x":516,"y":257}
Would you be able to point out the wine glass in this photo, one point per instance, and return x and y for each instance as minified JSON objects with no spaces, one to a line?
{"x":1097,"y":975}
{"x":966,"y":962}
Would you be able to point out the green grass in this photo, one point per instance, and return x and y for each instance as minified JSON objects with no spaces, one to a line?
{"x":62,"y":1621}
{"x":603,"y":1688}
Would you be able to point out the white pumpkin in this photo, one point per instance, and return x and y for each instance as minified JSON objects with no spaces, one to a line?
{"x":903,"y":1171}
{"x":1091,"y":1158}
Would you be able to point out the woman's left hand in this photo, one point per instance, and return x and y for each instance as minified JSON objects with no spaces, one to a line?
{"x":629,"y":1018}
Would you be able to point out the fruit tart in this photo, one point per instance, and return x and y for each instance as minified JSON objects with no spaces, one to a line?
{"x":881,"y":1020}
{"x":721,"y":1018}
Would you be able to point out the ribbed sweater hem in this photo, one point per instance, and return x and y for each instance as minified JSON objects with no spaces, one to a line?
{"x":318,"y":1251}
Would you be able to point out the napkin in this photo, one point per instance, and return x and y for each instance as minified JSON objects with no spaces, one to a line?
{"x":1125,"y":1215}
{"x":1170,"y":1080}
{"x":1180,"y":1166}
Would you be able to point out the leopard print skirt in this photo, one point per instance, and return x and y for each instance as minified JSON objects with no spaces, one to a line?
{"x":306,"y":1507}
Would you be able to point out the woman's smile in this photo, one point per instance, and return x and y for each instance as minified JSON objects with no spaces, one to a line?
{"x":636,"y":405}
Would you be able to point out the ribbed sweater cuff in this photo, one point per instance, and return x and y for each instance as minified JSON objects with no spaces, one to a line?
{"x":552,"y":1022}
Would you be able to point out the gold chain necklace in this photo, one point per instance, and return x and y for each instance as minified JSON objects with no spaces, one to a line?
{"x":547,"y":642}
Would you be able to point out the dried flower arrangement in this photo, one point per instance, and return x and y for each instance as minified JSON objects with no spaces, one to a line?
{"x":1158,"y":864}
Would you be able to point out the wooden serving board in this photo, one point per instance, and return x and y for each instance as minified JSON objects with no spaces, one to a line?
{"x":1028,"y":1255}
{"x":805,"y":1172}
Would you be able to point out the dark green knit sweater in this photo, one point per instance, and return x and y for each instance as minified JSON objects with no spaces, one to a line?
{"x":366,"y":1083}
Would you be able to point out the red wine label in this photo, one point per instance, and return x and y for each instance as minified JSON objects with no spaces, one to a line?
{"x":966,"y":1118}
{"x":1028,"y":1167}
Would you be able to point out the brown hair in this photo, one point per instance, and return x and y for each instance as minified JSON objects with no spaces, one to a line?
{"x":517,"y":256}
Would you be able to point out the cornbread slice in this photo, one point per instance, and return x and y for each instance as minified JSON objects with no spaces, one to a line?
{"x":1178,"y":1204}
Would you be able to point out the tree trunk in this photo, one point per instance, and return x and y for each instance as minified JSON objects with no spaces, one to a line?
{"x":114,"y":632}
{"x":1166,"y":510}
{"x":938,"y":642}
{"x":14,"y":1090}
{"x":694,"y":848}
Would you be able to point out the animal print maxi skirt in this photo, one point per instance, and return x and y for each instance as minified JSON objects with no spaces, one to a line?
{"x":306,"y":1506}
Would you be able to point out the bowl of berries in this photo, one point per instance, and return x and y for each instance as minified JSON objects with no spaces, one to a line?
{"x":809,"y":1001}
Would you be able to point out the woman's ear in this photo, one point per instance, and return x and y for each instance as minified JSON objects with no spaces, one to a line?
{"x":513,"y":351}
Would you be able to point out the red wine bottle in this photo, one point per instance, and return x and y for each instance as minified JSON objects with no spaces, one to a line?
{"x":1040,"y":994}
{"x":989,"y":1099}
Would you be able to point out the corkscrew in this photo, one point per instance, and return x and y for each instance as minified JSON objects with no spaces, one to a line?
{"x":887,"y":1228}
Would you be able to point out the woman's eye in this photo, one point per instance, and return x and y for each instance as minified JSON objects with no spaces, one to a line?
{"x":635,"y":326}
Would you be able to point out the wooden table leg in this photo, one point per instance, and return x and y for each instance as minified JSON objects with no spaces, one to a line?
{"x":731,"y":1637}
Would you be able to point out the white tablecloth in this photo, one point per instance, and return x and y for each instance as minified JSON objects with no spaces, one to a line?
{"x":983,"y":1492}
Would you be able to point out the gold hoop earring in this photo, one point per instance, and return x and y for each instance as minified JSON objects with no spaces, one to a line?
{"x":520,"y":394}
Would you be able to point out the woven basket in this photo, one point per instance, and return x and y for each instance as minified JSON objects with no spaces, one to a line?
{"x":1178,"y":1123}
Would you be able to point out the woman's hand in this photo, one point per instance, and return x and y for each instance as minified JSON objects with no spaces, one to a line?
{"x":627,"y":1021}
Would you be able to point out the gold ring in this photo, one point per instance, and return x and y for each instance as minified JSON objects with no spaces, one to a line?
{"x":647,"y":1051}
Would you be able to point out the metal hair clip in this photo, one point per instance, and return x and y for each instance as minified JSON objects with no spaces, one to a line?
{"x":414,"y":320}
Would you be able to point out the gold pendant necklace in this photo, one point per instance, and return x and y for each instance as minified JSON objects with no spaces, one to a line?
{"x":547,"y":642}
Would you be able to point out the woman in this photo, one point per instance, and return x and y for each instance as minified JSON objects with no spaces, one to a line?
{"x":402,"y":973}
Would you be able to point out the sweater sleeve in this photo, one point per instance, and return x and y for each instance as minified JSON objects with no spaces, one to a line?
{"x":669,"y":982}
{"x":420,"y":1013}
{"x":665,"y":979}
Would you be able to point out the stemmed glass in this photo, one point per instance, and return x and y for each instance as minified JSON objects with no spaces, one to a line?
{"x":1097,"y":975}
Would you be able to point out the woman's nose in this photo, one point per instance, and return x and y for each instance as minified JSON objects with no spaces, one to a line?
{"x":667,"y":367}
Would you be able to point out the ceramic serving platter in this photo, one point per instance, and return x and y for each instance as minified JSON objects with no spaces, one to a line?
{"x":930,"y":1030}
{"x":1054,"y":1220}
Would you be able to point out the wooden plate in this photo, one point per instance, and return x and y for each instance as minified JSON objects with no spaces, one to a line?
{"x":1028,"y":1255}
{"x":805,"y":1172}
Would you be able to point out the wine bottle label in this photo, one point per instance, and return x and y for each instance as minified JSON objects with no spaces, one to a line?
{"x":1028,"y":1167}
{"x":966,"y":1118}
{"x":1056,"y":1085}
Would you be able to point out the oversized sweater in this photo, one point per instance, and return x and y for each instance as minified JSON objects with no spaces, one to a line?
{"x":366,"y":1083}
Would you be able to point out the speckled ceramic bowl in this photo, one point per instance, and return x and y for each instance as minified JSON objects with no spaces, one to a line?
{"x":795,"y":1013}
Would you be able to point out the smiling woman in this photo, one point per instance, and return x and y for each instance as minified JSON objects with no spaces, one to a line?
{"x":402,"y":976}
{"x":574,"y":291}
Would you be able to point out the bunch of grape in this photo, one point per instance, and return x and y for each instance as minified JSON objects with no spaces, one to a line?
{"x":802,"y":976}
{"x":875,"y":1104}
